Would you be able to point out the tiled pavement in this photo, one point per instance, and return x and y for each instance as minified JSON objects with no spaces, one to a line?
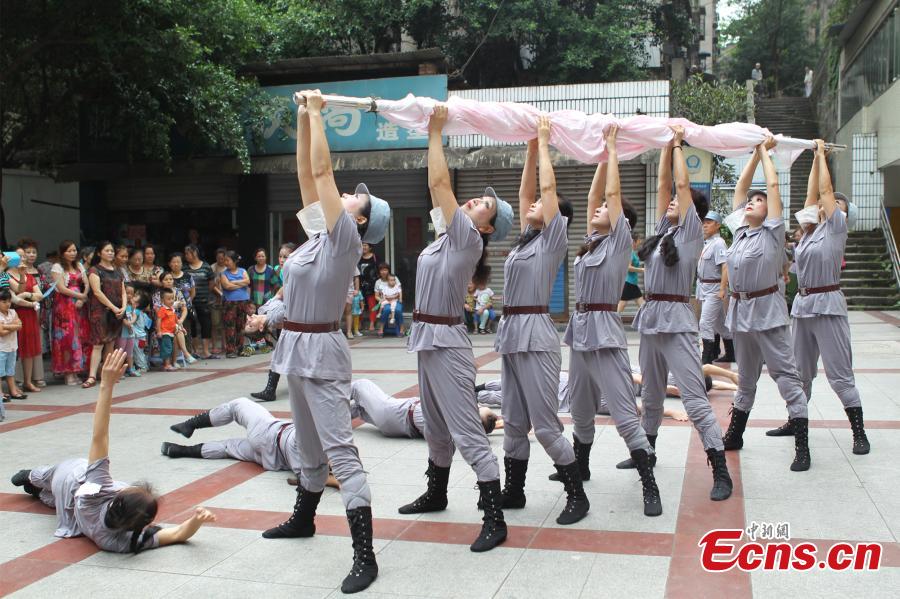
{"x":614,"y":552}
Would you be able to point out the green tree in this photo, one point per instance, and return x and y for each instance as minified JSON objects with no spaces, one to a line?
{"x":773,"y":33}
{"x":712,"y":103}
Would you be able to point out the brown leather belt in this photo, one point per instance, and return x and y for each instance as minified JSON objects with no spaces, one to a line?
{"x":667,"y":297}
{"x":411,"y":418}
{"x":579,"y":307}
{"x":745,"y":295}
{"x":804,"y":291}
{"x":311,"y":327}
{"x":510,"y":310}
{"x":283,"y":428}
{"x":710,"y":280}
{"x":431,"y":319}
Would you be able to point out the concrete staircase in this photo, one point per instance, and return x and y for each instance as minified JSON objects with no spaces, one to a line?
{"x":793,"y":117}
{"x":868,"y":280}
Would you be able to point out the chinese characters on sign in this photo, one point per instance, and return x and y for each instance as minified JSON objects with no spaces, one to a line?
{"x":350,"y":129}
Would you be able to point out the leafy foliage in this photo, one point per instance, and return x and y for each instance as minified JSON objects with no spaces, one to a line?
{"x":773,"y":33}
{"x":711,"y":103}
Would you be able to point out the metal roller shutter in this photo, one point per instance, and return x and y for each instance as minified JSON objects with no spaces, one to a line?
{"x":402,"y":189}
{"x":573,"y":182}
{"x":213,"y":191}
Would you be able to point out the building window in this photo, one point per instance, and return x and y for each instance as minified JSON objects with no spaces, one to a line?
{"x":873,"y":70}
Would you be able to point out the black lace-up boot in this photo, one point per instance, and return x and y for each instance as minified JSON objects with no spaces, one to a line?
{"x":577,"y":504}
{"x":188,"y":427}
{"x":493,"y":527}
{"x":268,"y":394}
{"x":173,"y":450}
{"x":434,"y":499}
{"x":629,"y":463}
{"x":365,"y":569}
{"x":802,"y":458}
{"x":722,"y":485}
{"x":734,"y":436}
{"x":652,"y":502}
{"x":302,"y":521}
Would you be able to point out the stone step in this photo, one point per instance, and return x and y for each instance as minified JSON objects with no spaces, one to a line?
{"x":864,"y":300}
{"x":867,"y":279}
{"x":869,"y":257}
{"x":872,"y":241}
{"x":859,"y":291}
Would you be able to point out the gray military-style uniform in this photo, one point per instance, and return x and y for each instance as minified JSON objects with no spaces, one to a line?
{"x":82,"y":510}
{"x":760,"y":325}
{"x":445,"y":358}
{"x":712,"y":308}
{"x":317,"y":365}
{"x":492,"y":394}
{"x":820,"y":319}
{"x":393,"y":417}
{"x":669,"y":333}
{"x":269,"y":442}
{"x":598,"y":360}
{"x":529,"y":346}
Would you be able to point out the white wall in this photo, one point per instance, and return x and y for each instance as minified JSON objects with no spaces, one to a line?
{"x":45,"y":223}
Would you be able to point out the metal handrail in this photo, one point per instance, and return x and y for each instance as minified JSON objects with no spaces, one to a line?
{"x":892,"y":246}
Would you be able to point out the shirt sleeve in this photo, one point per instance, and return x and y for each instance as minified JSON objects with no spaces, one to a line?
{"x":462,"y":231}
{"x":621,"y":235}
{"x":692,"y":225}
{"x":344,"y":237}
{"x":837,"y":224}
{"x":720,"y":255}
{"x":555,"y":234}
{"x":775,"y":227}
{"x":56,"y":269}
{"x":98,"y":473}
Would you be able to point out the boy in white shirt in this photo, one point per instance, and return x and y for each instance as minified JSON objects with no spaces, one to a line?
{"x":391,"y":294}
{"x":484,"y":304}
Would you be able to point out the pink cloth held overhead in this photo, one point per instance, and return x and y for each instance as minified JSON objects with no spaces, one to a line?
{"x":580,"y":135}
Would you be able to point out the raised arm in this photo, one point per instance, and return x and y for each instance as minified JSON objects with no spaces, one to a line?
{"x":320,"y":161}
{"x":187,"y":529}
{"x":113,"y":369}
{"x":308,"y":193}
{"x":745,"y":181}
{"x":812,"y":185}
{"x":549,"y":199}
{"x":595,"y":195}
{"x":528,"y":184}
{"x":664,"y":180}
{"x":775,"y":207}
{"x":826,"y":191}
{"x":442,"y":195}
{"x":682,"y":180}
{"x":613,"y":184}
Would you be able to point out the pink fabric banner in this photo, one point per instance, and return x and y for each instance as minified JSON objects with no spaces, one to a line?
{"x":580,"y":135}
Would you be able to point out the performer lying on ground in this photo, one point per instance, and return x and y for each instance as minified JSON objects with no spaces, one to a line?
{"x":116,"y":516}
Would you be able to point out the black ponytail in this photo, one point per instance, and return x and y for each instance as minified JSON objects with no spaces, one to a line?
{"x":667,"y":246}
{"x":134,"y":509}
{"x":483,"y":269}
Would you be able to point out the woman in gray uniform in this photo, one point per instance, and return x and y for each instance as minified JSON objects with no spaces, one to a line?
{"x":527,"y":339}
{"x":117,"y":517}
{"x":757,"y":313}
{"x":312,"y":353}
{"x":445,"y":358}
{"x":598,"y":361}
{"x":666,"y":322}
{"x":820,"y":310}
{"x":269,"y":441}
{"x":712,"y":284}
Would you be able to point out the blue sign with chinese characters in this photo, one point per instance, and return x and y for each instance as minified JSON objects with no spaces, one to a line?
{"x":351,"y":129}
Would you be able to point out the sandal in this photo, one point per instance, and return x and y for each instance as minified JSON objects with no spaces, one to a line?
{"x":89,"y":382}
{"x":31,"y":388}
{"x":19,"y":396}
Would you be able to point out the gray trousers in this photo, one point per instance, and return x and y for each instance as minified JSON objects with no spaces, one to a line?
{"x":261,"y":443}
{"x":829,"y":335}
{"x":447,"y":391}
{"x":677,"y":353}
{"x":712,"y":318}
{"x":530,"y":390}
{"x":376,"y":407}
{"x":324,"y":433}
{"x":604,"y":373}
{"x":492,"y":396}
{"x":774,"y":348}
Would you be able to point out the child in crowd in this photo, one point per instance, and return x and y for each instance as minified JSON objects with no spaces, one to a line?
{"x":167,"y":323}
{"x":484,"y":307}
{"x":356,"y":307}
{"x":391,"y":294}
{"x":129,"y":326}
{"x":469,"y":307}
{"x":9,"y":344}
{"x":142,"y":324}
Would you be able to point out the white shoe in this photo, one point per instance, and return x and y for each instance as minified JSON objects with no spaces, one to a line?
{"x":190,"y":360}
{"x":358,"y":334}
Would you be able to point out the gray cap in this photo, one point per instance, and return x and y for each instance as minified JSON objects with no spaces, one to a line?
{"x":713,"y":215}
{"x":852,"y":210}
{"x":504,"y":219}
{"x":379,"y":216}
